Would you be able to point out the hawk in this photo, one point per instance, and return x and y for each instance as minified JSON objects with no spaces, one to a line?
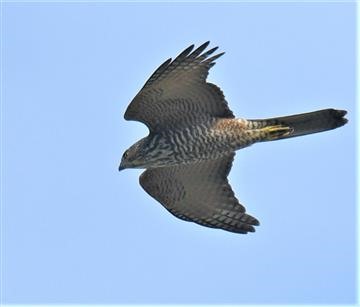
{"x":193,"y":137}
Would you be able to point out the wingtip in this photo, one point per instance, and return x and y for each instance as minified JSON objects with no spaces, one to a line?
{"x":189,"y":49}
{"x":205,"y":44}
{"x":213,"y":58}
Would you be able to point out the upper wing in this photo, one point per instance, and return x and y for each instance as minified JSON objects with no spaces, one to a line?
{"x":200,"y":193}
{"x":177,"y":93}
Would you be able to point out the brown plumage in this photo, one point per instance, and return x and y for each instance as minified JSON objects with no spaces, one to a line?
{"x":193,"y":138}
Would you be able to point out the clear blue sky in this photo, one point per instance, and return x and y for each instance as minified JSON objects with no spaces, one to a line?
{"x":76,"y":230}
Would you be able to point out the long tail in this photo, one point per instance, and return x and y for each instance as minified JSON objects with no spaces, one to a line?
{"x":299,"y":124}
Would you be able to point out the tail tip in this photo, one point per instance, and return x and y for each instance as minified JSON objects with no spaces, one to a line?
{"x":338,"y":115}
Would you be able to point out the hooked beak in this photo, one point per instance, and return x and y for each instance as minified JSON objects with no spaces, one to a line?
{"x":121,"y":168}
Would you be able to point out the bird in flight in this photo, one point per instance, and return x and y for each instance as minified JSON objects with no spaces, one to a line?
{"x":193,"y":137}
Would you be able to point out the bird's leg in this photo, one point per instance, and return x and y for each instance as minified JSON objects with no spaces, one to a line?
{"x":276,"y":131}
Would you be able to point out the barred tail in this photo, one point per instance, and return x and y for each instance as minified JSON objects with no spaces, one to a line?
{"x":299,"y":124}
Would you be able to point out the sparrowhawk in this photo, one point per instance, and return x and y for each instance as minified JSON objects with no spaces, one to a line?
{"x":193,"y":137}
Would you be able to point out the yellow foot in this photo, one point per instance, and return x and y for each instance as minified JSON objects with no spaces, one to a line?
{"x":277,"y":131}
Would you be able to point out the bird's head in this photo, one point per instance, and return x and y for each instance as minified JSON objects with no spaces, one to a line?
{"x":133,"y":157}
{"x":151,"y":151}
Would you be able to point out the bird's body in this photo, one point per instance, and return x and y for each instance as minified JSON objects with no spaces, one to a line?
{"x":209,"y":140}
{"x":193,"y":138}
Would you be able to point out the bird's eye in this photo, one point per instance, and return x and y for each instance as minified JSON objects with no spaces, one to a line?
{"x":125,"y":155}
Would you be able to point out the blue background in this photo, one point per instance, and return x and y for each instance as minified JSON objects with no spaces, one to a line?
{"x":77,"y":231}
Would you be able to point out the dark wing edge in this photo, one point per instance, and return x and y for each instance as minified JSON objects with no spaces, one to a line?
{"x":181,"y":64}
{"x":190,"y":202}
{"x":186,"y":59}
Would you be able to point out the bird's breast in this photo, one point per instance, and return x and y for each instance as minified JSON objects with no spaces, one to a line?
{"x":209,"y":140}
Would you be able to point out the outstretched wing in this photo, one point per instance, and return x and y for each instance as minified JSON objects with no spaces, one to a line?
{"x":177,"y":93}
{"x":199,"y":193}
